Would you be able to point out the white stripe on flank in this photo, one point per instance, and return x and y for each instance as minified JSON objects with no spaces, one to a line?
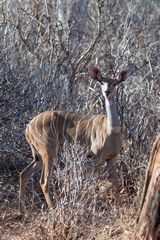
{"x":49,"y":148}
{"x":65,"y":123}
{"x":42,"y":142}
{"x":36,"y":125}
{"x":51,"y":124}
{"x":57,"y":122}
{"x":93,"y":125}
{"x":35,"y":136}
{"x":87,"y":128}
{"x":44,"y":129}
{"x":78,"y":127}
{"x":70,"y":123}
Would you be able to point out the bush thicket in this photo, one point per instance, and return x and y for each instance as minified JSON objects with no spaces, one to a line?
{"x":46,"y":48}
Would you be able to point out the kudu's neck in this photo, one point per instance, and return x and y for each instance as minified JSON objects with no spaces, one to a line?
{"x":113,"y":124}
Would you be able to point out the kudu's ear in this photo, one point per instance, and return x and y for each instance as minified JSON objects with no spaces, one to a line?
{"x":123,"y":75}
{"x":95,"y":73}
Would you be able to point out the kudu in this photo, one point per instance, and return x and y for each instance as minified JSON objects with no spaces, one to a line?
{"x":49,"y":130}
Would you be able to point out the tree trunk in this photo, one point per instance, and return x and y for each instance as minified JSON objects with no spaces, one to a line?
{"x":148,"y":226}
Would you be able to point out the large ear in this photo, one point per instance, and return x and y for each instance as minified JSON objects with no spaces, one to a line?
{"x":95,"y":73}
{"x":124,"y":75}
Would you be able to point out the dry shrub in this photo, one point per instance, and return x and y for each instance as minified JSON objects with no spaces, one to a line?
{"x":84,"y":205}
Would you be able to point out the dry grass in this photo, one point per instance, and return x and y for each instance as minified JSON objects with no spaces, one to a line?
{"x":85,"y":207}
{"x":111,"y":223}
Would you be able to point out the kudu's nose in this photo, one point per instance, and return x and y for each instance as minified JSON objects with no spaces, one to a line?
{"x":107,"y":92}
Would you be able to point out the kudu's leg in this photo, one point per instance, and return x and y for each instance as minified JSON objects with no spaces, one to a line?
{"x":111,"y":167}
{"x":25,"y":175}
{"x":115,"y":183}
{"x":45,"y":181}
{"x":48,"y":162}
{"x":113,"y":176}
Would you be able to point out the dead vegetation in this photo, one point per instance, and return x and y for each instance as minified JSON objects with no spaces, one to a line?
{"x":84,"y":208}
{"x":46,"y":48}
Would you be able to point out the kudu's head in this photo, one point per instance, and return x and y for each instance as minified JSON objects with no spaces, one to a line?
{"x":108,"y":84}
